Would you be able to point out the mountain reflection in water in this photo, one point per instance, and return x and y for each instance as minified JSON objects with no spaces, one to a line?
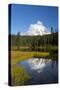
{"x":37,"y":64}
{"x":41,"y":70}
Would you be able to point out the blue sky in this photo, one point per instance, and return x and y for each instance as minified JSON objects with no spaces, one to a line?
{"x":24,"y":15}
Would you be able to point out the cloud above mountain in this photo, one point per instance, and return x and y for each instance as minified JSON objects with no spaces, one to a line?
{"x":36,"y":29}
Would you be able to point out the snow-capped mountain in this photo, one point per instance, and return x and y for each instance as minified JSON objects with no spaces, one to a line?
{"x":37,"y":29}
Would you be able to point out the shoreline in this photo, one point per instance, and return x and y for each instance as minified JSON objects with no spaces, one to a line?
{"x":17,"y":56}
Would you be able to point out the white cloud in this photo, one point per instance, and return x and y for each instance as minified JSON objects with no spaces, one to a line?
{"x":37,"y":29}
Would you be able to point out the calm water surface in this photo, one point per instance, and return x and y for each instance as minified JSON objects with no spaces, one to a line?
{"x":40,"y":70}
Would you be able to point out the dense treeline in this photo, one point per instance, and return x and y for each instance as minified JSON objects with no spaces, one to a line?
{"x":35,"y":43}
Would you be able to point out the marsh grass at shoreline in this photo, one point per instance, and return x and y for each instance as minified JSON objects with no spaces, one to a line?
{"x":20,"y":55}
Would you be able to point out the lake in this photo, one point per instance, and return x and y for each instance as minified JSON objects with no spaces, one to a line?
{"x":40,"y":70}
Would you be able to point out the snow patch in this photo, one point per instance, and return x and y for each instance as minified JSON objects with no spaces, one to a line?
{"x":37,"y":29}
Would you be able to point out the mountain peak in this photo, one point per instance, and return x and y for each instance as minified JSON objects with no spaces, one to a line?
{"x":37,"y":29}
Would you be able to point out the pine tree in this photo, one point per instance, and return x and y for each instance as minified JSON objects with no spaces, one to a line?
{"x":18,"y":41}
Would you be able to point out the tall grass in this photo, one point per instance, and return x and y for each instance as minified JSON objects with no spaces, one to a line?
{"x":18,"y":76}
{"x":19,"y":55}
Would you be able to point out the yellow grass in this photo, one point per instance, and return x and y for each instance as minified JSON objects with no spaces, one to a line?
{"x":20,"y":55}
{"x":18,"y":75}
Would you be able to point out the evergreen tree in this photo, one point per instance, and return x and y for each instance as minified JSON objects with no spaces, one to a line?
{"x":18,"y":40}
{"x":52,"y":35}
